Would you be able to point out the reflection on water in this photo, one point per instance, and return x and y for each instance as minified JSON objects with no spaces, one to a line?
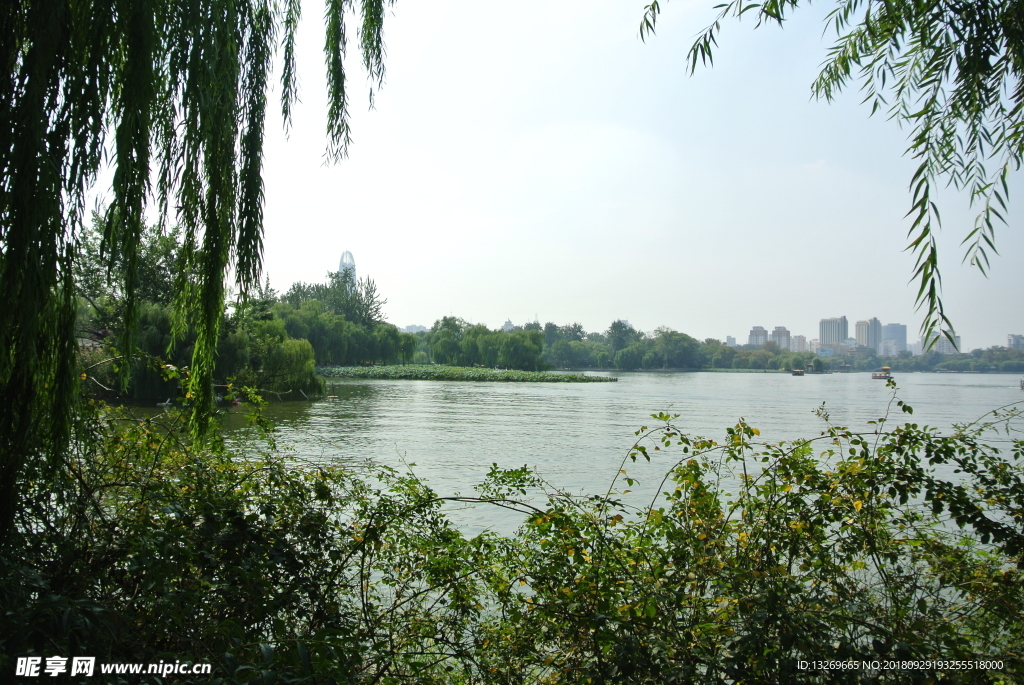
{"x":576,"y":435}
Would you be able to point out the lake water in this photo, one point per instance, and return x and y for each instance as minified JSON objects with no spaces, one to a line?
{"x":576,"y":434}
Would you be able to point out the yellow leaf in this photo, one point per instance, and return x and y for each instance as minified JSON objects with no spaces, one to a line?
{"x":857,"y":505}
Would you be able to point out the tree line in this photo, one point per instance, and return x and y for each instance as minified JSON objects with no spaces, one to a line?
{"x":269,"y":341}
{"x":621,"y":346}
{"x":275,"y":341}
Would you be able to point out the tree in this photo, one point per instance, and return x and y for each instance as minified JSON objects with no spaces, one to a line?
{"x":620,"y":335}
{"x":179,"y":92}
{"x":952,"y":73}
{"x":572,"y":331}
{"x":407,"y":347}
{"x":356,"y":300}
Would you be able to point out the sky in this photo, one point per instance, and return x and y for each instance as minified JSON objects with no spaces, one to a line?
{"x":538,"y":160}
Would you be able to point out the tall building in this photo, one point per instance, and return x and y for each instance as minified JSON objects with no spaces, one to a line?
{"x":1015,"y":342}
{"x":730,"y":341}
{"x":888,"y":348}
{"x":896,"y":332}
{"x":798,"y":343}
{"x":780,"y":336}
{"x":942,"y":344}
{"x":832,"y":331}
{"x":869,"y":333}
{"x":758,"y":336}
{"x":347,"y":262}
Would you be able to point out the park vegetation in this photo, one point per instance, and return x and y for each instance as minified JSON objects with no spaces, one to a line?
{"x":623,"y":347}
{"x":852,"y":547}
{"x":458,"y":373}
{"x":285,"y":343}
{"x":146,"y":539}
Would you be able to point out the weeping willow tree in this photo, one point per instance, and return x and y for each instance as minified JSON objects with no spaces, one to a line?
{"x":173,"y":93}
{"x":949,"y":71}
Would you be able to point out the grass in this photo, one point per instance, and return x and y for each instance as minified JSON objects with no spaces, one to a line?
{"x":421,"y":372}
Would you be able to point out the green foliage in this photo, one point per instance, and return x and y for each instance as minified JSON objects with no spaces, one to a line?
{"x":620,"y":335}
{"x":418,"y":372}
{"x":751,"y":557}
{"x":147,"y":546}
{"x":951,"y":73}
{"x":355,"y":300}
{"x":455,"y":342}
{"x":761,"y":555}
{"x":177,"y":93}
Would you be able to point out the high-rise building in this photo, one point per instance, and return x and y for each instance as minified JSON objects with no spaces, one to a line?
{"x":730,"y":341}
{"x":347,"y":262}
{"x":889,"y":348}
{"x":1015,"y":342}
{"x":897,"y":332}
{"x":780,"y":336}
{"x":798,"y":343}
{"x":869,"y":333}
{"x":758,"y":336}
{"x":831,"y":331}
{"x":942,"y":344}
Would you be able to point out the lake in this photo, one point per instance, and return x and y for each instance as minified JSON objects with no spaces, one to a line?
{"x":576,"y":435}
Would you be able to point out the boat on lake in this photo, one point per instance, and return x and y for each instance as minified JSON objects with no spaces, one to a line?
{"x":884,"y":374}
{"x":798,"y":372}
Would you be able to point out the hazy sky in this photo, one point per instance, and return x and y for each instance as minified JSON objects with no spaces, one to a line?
{"x":537,"y":158}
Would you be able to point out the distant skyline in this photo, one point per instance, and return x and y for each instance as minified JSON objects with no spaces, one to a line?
{"x":562,"y":168}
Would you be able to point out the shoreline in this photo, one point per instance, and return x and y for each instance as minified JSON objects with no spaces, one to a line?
{"x":423,"y":372}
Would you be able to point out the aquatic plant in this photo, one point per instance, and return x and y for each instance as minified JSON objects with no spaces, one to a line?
{"x":423,"y":372}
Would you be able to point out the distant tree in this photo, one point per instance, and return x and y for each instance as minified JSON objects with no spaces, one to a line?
{"x":620,"y":335}
{"x":388,"y":341}
{"x":573,"y":331}
{"x":552,"y":334}
{"x":630,"y":357}
{"x":561,"y":353}
{"x":521,"y":350}
{"x":357,"y":300}
{"x":444,"y":348}
{"x":408,"y":343}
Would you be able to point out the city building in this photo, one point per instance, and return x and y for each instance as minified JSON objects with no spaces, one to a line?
{"x":347,"y":262}
{"x":780,"y":336}
{"x":869,"y":333}
{"x":896,"y":332}
{"x":831,"y":350}
{"x":943,"y":345}
{"x":730,"y":341}
{"x":1015,"y":342}
{"x":508,"y":326}
{"x":414,"y":329}
{"x":889,"y":348}
{"x":758,"y":336}
{"x":831,"y":331}
{"x":798,"y":343}
{"x":813,"y":345}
